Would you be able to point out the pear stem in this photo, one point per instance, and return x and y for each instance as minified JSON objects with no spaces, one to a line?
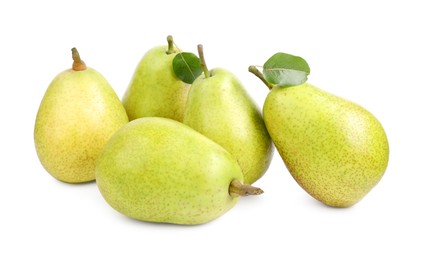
{"x":203,"y":61}
{"x":78,"y":64}
{"x":170,"y":45}
{"x":237,"y":189}
{"x":255,"y":71}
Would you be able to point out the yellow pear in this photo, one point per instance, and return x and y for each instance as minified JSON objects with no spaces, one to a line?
{"x":335,"y":149}
{"x":78,"y":114}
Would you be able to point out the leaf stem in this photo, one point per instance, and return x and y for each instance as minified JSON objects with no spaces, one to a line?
{"x":78,"y":64}
{"x":203,"y":61}
{"x":255,"y":71}
{"x":237,"y":189}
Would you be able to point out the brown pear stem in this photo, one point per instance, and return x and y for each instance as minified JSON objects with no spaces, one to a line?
{"x":238,"y":189}
{"x":203,"y":61}
{"x":170,"y":45}
{"x":78,"y":64}
{"x":255,"y":71}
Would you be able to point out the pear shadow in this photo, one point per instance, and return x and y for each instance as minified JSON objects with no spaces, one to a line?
{"x":75,"y":184}
{"x":163,"y":225}
{"x":250,"y":200}
{"x":89,"y":186}
{"x":312,"y":202}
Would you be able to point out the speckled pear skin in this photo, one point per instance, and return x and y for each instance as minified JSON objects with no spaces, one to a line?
{"x":78,"y":114}
{"x":160,"y":170}
{"x":220,"y":108}
{"x":155,"y":90}
{"x":336,"y":150}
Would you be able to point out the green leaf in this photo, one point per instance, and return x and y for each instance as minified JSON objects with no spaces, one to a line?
{"x":187,"y":67}
{"x":286,"y":70}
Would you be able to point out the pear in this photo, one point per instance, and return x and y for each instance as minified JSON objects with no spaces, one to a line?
{"x":154,"y":89}
{"x":78,"y":114}
{"x":220,"y":108}
{"x":160,"y":170}
{"x":335,"y":149}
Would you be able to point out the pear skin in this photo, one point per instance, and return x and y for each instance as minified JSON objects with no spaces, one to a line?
{"x":160,"y":170}
{"x":336,"y":150}
{"x":220,"y":108}
{"x":78,"y":114}
{"x":154,"y":89}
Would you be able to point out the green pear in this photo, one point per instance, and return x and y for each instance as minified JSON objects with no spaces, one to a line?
{"x":160,"y":170}
{"x":220,"y":108}
{"x":78,"y":114}
{"x":336,"y":150}
{"x":154,"y":89}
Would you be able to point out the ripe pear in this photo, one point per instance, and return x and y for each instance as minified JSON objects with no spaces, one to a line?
{"x":78,"y":114}
{"x":160,"y":170}
{"x":336,"y":150}
{"x":154,"y":89}
{"x":220,"y":108}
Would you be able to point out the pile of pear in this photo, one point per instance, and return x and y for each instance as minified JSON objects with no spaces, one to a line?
{"x":183,"y":168}
{"x":184,"y":153}
{"x":147,"y":163}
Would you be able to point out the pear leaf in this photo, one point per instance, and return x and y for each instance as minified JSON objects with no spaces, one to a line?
{"x":187,"y":67}
{"x":286,"y":70}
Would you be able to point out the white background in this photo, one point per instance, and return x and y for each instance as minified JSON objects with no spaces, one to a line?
{"x":367,"y":51}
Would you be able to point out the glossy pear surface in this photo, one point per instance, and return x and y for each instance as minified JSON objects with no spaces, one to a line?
{"x":220,"y":108}
{"x":154,"y":90}
{"x":78,"y":114}
{"x":160,"y":170}
{"x":336,"y":150}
